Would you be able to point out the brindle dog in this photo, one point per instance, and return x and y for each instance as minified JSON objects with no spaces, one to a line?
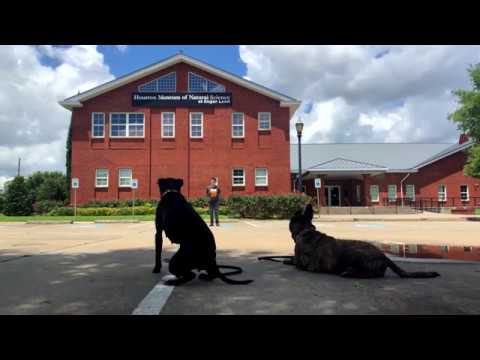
{"x":182,"y":225}
{"x":318,"y":252}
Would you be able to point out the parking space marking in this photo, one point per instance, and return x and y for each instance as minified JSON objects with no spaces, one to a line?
{"x":156,"y":299}
{"x":251,"y":224}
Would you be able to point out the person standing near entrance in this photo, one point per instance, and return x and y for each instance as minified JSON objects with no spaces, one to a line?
{"x":213,"y":194}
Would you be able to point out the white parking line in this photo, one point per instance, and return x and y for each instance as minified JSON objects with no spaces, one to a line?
{"x":251,"y":224}
{"x":156,"y":299}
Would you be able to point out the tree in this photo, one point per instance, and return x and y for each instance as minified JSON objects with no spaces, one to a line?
{"x":18,"y":199}
{"x":68,"y":163}
{"x":47,"y":186}
{"x":467,"y":117}
{"x":2,"y":201}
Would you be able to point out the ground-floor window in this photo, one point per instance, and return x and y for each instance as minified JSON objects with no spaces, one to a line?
{"x":410,"y":192}
{"x":442,"y":193}
{"x":358,"y":193}
{"x":392,"y":193}
{"x":374,"y":193}
{"x":261,"y":177}
{"x":125,"y":177}
{"x":464,"y":192}
{"x":101,"y":178}
{"x":238,"y":177}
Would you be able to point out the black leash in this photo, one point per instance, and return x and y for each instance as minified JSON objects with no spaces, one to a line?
{"x":272,"y":258}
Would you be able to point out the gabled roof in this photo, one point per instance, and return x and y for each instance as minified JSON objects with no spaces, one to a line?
{"x":340,"y":164}
{"x":443,"y":154}
{"x":395,"y":157}
{"x":76,"y":100}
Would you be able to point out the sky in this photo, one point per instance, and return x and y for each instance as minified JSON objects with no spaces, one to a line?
{"x":349,"y":93}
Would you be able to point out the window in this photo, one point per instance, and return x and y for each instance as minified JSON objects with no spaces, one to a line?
{"x":392,"y":193}
{"x":358,"y":193}
{"x":127,"y":124}
{"x":464,"y":192}
{"x":125,"y":177}
{"x":442,"y":193}
{"x":98,"y":125}
{"x":165,"y":83}
{"x":238,"y":177}
{"x":168,"y":124}
{"x":196,"y":125}
{"x":264,"y":121}
{"x":197,"y":83}
{"x":238,"y":125}
{"x":410,"y":192}
{"x":374,"y":193}
{"x":101,"y":178}
{"x":261,"y":177}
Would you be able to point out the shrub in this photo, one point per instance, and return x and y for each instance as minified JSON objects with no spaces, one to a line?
{"x":266,"y":206}
{"x":99,"y":211}
{"x":45,"y":206}
{"x":119,"y":203}
{"x":18,"y":200}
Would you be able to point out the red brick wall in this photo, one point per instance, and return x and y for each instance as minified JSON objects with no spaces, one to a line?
{"x":193,"y":160}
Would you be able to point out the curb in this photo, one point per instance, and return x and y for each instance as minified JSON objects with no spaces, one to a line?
{"x":49,"y":222}
{"x":394,"y":220}
{"x":117,"y":221}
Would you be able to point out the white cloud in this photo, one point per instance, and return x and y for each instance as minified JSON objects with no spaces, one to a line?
{"x":122,"y":48}
{"x":33,"y":125}
{"x":367,"y":93}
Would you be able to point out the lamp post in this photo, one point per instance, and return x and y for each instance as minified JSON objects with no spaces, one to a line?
{"x":299,"y":127}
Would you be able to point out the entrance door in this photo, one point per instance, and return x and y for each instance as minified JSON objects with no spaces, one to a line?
{"x":332,"y":195}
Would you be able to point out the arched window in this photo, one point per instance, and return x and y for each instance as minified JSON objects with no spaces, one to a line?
{"x":197,"y":83}
{"x":165,"y":83}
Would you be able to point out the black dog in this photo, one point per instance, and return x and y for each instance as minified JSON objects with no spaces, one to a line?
{"x":183,"y":226}
{"x":318,"y":252}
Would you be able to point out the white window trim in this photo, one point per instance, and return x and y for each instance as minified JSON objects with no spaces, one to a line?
{"x":406,"y":192}
{"x":269,"y":122}
{"x":243,"y":126}
{"x":438,"y":193}
{"x":93,"y":116}
{"x":244,"y":181}
{"x":96,"y":178}
{"x":201,"y":124}
{"x":468,"y":193}
{"x":266,"y":176}
{"x":388,"y":193}
{"x":131,"y":177}
{"x":378,"y":193}
{"x":167,"y":136}
{"x":127,"y":126}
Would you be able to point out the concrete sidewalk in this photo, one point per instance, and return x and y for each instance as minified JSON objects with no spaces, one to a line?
{"x":394,"y":217}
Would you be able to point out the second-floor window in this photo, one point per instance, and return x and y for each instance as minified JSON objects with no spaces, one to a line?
{"x":264,"y":121}
{"x":196,"y":125}
{"x":238,"y":125}
{"x":168,"y":125}
{"x":127,"y":125}
{"x":98,"y":125}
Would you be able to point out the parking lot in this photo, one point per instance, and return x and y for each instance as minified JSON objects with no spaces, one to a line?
{"x":93,"y":268}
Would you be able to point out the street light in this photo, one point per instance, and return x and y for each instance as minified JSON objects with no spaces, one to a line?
{"x":299,"y":127}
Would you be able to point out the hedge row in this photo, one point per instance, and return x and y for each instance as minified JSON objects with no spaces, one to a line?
{"x":266,"y":207}
{"x":68,"y":211}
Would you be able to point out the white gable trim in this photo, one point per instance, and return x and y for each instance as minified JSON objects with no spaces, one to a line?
{"x":76,"y":101}
{"x":453,"y":151}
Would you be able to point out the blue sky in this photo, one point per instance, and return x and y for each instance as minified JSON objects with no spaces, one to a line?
{"x":137,"y":56}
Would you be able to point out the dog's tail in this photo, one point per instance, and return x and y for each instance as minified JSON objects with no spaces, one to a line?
{"x":404,"y":274}
{"x":223,"y":276}
{"x":273,"y":258}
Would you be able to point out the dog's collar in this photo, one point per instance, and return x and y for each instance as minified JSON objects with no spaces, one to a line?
{"x":168,"y":191}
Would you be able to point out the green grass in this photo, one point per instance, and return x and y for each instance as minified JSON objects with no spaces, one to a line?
{"x":4,"y":218}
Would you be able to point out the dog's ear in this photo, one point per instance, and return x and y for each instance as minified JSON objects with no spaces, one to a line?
{"x":179,"y":183}
{"x":308,"y":212}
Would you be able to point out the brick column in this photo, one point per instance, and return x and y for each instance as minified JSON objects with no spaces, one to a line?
{"x":366,"y":189}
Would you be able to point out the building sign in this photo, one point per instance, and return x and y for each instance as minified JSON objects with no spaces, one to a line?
{"x":181,"y":99}
{"x":75,"y":183}
{"x":318,"y":183}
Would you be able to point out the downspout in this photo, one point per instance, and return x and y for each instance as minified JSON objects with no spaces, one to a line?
{"x":401,"y":186}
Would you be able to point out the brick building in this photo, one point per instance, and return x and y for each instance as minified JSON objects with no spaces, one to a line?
{"x":180,"y":118}
{"x":389,"y":174}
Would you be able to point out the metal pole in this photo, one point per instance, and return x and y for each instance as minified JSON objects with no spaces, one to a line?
{"x":75,"y":205}
{"x":318,"y":201}
{"x":300,"y":161}
{"x":133,"y":207}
